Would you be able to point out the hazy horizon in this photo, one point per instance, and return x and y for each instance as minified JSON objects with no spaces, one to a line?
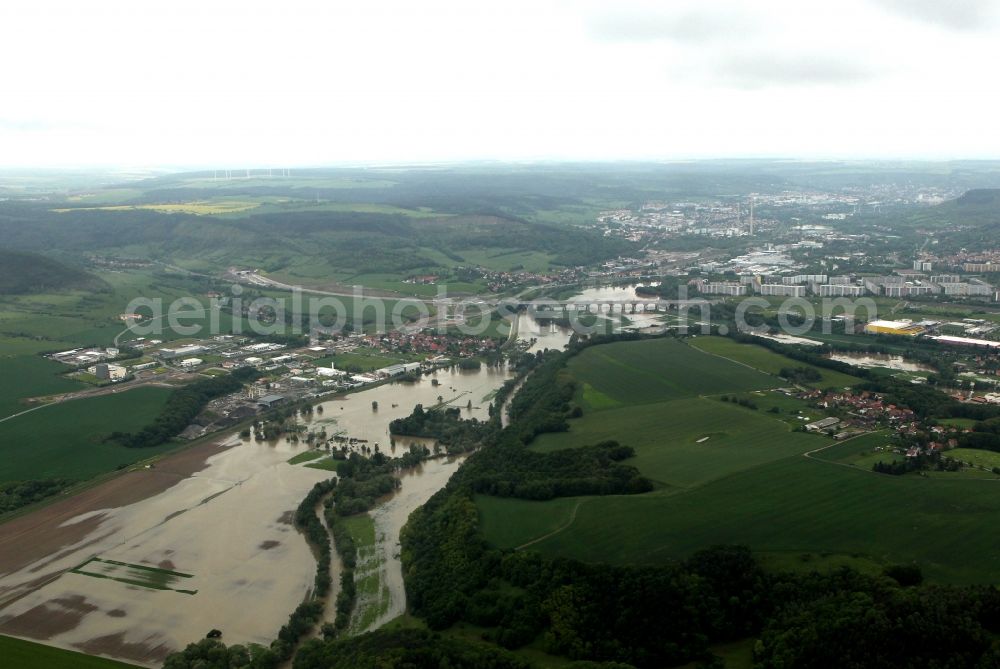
{"x":187,"y":85}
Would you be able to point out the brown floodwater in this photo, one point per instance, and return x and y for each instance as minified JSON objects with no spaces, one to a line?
{"x":226,"y":525}
{"x":418,"y":485}
{"x":886,"y":360}
{"x":355,"y":416}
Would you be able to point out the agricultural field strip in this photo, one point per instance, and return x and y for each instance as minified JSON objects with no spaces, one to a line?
{"x":144,"y":576}
{"x":373,"y":593}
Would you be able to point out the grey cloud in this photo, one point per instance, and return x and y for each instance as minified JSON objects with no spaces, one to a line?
{"x":690,"y":26}
{"x":765,"y":70}
{"x":955,"y":14}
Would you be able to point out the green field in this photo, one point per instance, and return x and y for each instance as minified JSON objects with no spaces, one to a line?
{"x":800,"y":505}
{"x":66,"y":440}
{"x":326,"y":464}
{"x":655,"y":370}
{"x":851,"y":450}
{"x":23,"y":376}
{"x":503,"y":259}
{"x":306,"y":456}
{"x":28,"y":655}
{"x":509,"y":523}
{"x":364,"y":359}
{"x":766,"y":360}
{"x":978,"y":458}
{"x":725,"y":474}
{"x":958,"y":422}
{"x":685,"y":443}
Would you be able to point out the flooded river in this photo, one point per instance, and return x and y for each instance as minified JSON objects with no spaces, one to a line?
{"x":886,"y":360}
{"x":354,"y":415}
{"x":213,"y":547}
{"x":605,"y":299}
{"x":418,"y":485}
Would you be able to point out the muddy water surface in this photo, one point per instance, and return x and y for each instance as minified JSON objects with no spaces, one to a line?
{"x":218,"y":540}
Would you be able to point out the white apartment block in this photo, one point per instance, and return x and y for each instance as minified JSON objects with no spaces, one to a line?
{"x":782,"y":290}
{"x":731,"y":289}
{"x":839,"y":290}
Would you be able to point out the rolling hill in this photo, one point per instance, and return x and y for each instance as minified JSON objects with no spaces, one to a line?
{"x":22,"y":273}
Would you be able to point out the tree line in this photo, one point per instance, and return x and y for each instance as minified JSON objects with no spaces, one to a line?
{"x":181,"y":408}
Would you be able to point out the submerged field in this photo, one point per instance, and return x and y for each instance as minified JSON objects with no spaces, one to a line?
{"x":725,"y":473}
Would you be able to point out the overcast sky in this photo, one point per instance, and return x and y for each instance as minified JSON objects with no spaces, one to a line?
{"x":217,"y":83}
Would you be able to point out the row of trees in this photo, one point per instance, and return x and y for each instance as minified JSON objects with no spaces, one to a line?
{"x":182,"y":406}
{"x":17,"y":494}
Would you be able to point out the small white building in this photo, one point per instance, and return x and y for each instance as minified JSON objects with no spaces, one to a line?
{"x":191,"y":362}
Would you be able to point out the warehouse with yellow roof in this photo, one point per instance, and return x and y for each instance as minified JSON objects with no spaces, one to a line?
{"x":905,"y":328}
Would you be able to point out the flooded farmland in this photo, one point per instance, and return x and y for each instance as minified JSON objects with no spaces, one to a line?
{"x":896,"y":362}
{"x":418,"y":485}
{"x":213,"y":545}
{"x":226,"y":529}
{"x":355,"y":415}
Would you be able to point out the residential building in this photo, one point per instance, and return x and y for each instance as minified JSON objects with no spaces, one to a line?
{"x":782,"y":290}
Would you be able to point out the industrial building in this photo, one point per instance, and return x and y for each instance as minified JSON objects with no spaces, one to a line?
{"x":170,"y":353}
{"x":269,"y":401}
{"x":904,"y":328}
{"x":107,"y":372}
{"x":966,"y":341}
{"x":396,"y":370}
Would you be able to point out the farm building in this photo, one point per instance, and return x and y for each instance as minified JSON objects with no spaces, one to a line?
{"x":825,"y":424}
